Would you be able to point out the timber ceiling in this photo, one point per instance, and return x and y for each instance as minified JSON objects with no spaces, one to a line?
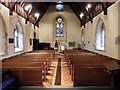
{"x":41,"y":7}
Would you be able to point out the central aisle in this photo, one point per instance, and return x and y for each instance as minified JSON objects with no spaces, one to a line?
{"x":66,"y":77}
{"x":65,"y":74}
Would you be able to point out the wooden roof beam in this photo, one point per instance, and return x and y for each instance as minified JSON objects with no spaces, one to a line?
{"x":104,"y":7}
{"x":44,"y":8}
{"x":12,"y":8}
{"x":76,"y":11}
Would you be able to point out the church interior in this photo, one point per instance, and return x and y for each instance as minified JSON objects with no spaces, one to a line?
{"x":59,"y":44}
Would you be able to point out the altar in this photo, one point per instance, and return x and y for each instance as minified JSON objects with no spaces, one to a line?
{"x":59,"y":47}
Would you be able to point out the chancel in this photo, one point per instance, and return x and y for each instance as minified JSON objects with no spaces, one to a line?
{"x":59,"y":44}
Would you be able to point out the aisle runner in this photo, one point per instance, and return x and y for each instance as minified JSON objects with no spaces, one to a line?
{"x":58,"y":73}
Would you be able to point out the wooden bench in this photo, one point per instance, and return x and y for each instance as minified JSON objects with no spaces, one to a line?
{"x":90,"y":75}
{"x":87,"y":68}
{"x":41,"y":63}
{"x":30,"y":67}
{"x":37,"y":57}
{"x":28,"y":73}
{"x":86,"y":60}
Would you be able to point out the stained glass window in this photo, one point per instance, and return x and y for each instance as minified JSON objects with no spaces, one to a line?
{"x":59,"y":27}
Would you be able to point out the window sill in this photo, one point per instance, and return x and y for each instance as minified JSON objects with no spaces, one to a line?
{"x":18,"y":50}
{"x":100,"y":50}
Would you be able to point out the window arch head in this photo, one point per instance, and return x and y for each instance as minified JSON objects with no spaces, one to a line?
{"x":100,"y":35}
{"x":59,"y":27}
{"x":18,"y":37}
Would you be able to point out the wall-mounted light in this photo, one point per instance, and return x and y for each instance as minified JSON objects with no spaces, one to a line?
{"x":81,"y":15}
{"x":88,"y":6}
{"x":36,"y":15}
{"x":28,"y":7}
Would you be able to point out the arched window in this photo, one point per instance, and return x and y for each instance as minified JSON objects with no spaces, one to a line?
{"x":59,"y":27}
{"x":100,"y":35}
{"x":18,"y":37}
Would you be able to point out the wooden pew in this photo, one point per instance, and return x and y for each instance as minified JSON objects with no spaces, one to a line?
{"x":28,"y":73}
{"x":30,"y":66}
{"x":87,"y":68}
{"x":90,"y":75}
{"x":86,"y":59}
{"x":37,"y":57}
{"x":51,"y":52}
{"x":38,"y":63}
{"x":34,"y":57}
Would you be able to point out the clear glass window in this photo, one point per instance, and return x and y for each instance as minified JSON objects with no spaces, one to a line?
{"x":100,"y":36}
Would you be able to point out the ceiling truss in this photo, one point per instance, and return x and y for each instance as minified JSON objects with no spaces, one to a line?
{"x":41,"y":7}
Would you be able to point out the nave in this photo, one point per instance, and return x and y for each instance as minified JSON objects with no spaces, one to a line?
{"x":61,"y":71}
{"x":59,"y":44}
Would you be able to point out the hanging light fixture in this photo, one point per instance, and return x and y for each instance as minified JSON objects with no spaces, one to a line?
{"x":36,"y":15}
{"x":81,"y":15}
{"x":88,"y":6}
{"x":28,"y":7}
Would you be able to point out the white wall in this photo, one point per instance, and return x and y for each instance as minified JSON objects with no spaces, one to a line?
{"x":119,"y":28}
{"x":72,"y":25}
{"x":111,"y":25}
{"x":73,"y":30}
{"x":10,"y":22}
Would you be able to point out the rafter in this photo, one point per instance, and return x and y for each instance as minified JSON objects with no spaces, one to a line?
{"x":12,"y":7}
{"x":104,"y":6}
{"x":76,"y":11}
{"x":77,"y":8}
{"x":43,"y":10}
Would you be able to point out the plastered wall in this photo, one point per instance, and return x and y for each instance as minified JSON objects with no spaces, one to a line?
{"x":10,"y":22}
{"x":111,"y":32}
{"x":72,"y":26}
